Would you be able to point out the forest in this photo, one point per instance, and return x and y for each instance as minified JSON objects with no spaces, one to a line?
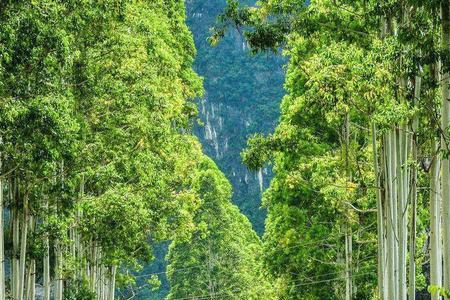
{"x":141,"y":156}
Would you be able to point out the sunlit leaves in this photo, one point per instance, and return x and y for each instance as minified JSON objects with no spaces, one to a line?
{"x":95,"y":106}
{"x":222,"y":252}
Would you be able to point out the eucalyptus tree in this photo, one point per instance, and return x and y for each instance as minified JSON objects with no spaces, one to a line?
{"x":220,"y":258}
{"x":38,"y":128}
{"x":134,"y":102}
{"x":94,"y":151}
{"x":445,"y":120}
{"x":331,"y":193}
{"x":390,"y":77}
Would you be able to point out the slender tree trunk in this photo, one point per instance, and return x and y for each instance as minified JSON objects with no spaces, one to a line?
{"x":412,"y":242}
{"x":101,"y":275}
{"x":23,"y":250}
{"x":402,"y":188}
{"x":46,"y":260}
{"x":88,"y":254}
{"x":30,"y":293}
{"x":16,"y":241}
{"x":407,"y":141}
{"x":391,"y":217}
{"x":33,"y":280}
{"x":31,"y":270}
{"x":348,"y":279}
{"x":93,"y":269}
{"x":72,"y":238}
{"x":348,"y":264}
{"x":103,"y":282}
{"x":27,"y":282}
{"x":445,"y":6}
{"x":395,"y":216}
{"x":58,"y":271}
{"x":78,"y":244}
{"x":382,"y":196}
{"x":32,"y":267}
{"x":380,"y":217}
{"x":435,"y":226}
{"x":112,"y":286}
{"x":348,"y":230}
{"x":106,"y":276}
{"x":99,"y":282}
{"x":59,"y":250}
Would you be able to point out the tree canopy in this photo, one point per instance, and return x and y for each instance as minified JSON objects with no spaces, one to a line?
{"x":98,"y":163}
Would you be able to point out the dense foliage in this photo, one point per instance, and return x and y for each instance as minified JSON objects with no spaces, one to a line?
{"x":242,"y":94}
{"x":95,"y":161}
{"x":221,"y":259}
{"x":361,"y":152}
{"x":98,"y":164}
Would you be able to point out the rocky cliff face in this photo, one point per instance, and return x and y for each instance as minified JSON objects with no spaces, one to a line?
{"x":242,"y":97}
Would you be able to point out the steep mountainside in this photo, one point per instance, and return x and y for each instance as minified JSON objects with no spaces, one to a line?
{"x":242,"y":97}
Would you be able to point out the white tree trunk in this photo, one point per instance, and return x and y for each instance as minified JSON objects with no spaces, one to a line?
{"x":31,"y":281}
{"x":391,"y":216}
{"x":435,"y":227}
{"x":23,"y":251}
{"x":348,"y":230}
{"x":445,"y":186}
{"x":16,"y":242}
{"x":46,"y":261}
{"x":79,"y":251}
{"x":412,"y":243}
{"x":395,"y":216}
{"x":348,"y":264}
{"x":32,"y":268}
{"x":402,"y":187}
{"x":93,"y":267}
{"x":27,"y":282}
{"x":112,"y":285}
{"x":58,"y":271}
{"x":380,"y":218}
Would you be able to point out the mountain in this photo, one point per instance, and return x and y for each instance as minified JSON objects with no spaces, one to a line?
{"x":242,"y":95}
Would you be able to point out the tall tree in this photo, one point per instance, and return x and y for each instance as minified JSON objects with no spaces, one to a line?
{"x":220,"y":259}
{"x":94,"y":123}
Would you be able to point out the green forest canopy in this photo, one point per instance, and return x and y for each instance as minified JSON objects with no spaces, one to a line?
{"x":98,"y":162}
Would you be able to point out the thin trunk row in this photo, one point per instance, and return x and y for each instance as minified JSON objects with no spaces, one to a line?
{"x":23,"y":267}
